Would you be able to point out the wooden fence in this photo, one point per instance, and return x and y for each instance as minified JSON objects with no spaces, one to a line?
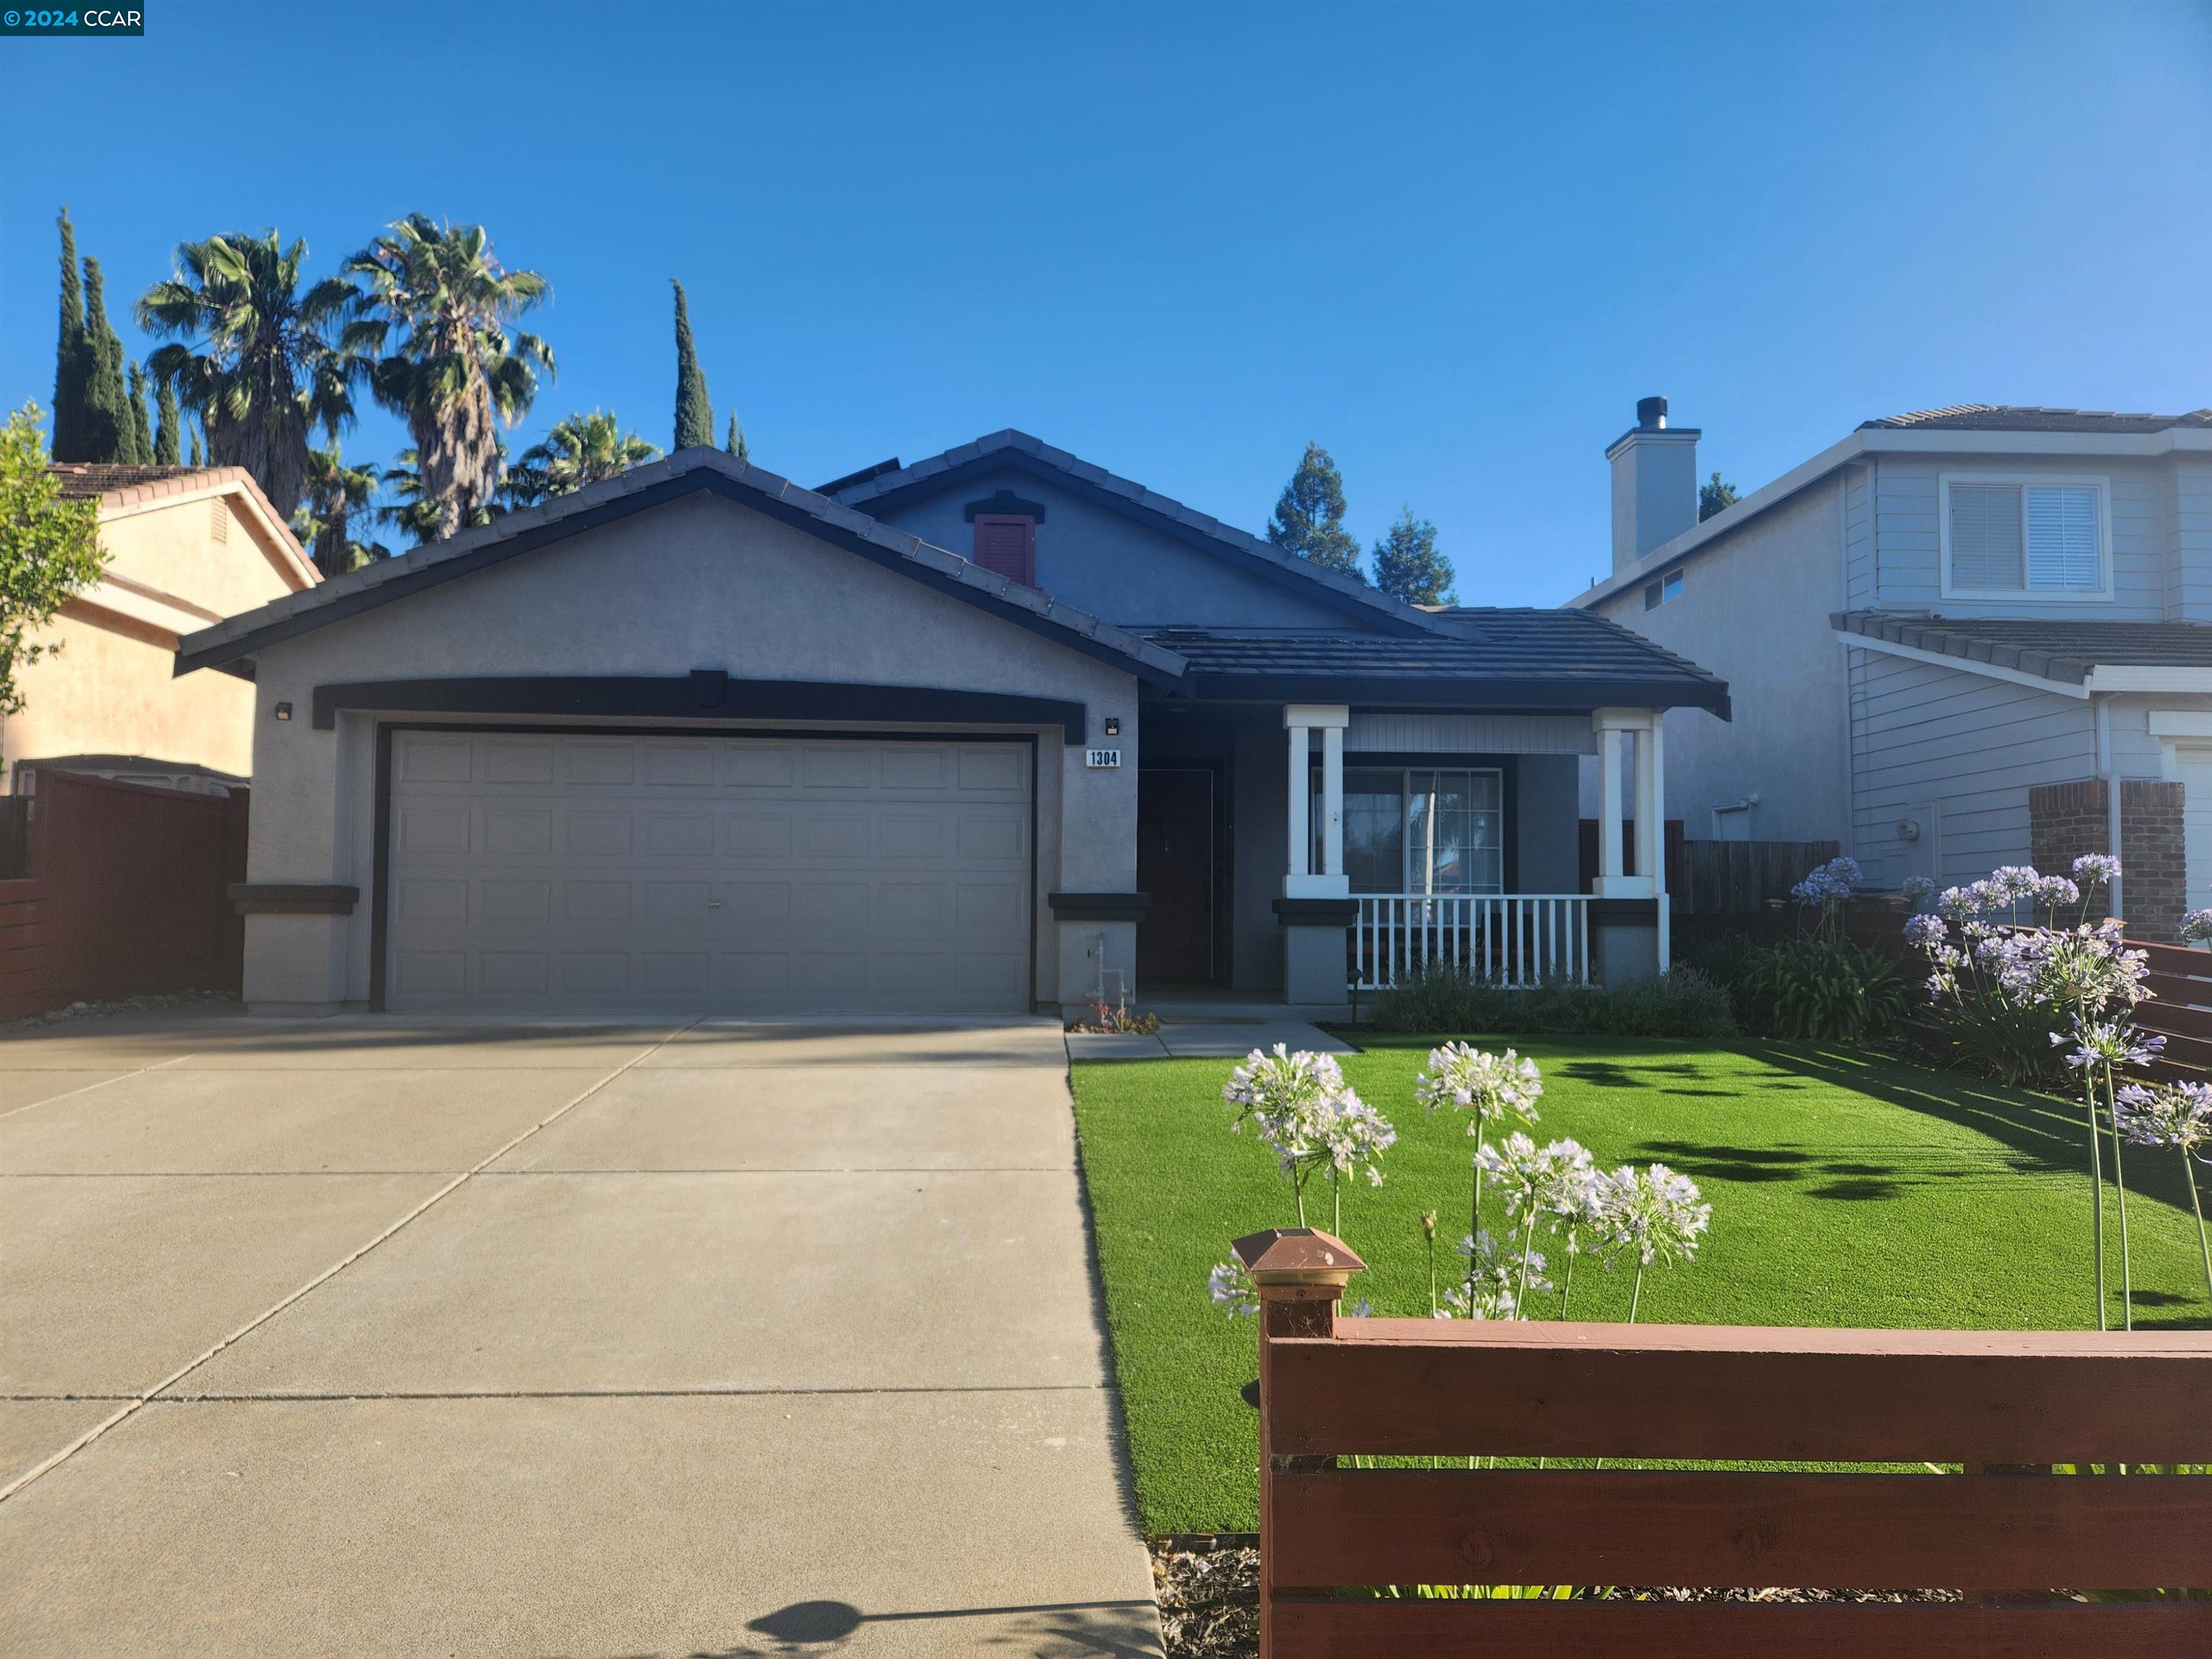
{"x":2180,"y":983}
{"x":2005,"y":1405}
{"x":1738,"y":877}
{"x":127,"y":896}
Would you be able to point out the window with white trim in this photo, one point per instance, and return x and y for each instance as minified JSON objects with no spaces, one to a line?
{"x":1421,"y":830}
{"x":2031,"y":537}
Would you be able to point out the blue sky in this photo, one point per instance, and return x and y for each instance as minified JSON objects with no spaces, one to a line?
{"x":1453,"y":243}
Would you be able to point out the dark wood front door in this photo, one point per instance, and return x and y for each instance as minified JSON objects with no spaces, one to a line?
{"x":1174,"y":864}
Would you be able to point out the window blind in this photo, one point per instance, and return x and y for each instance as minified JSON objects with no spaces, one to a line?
{"x":2062,"y":535}
{"x":1985,"y":545}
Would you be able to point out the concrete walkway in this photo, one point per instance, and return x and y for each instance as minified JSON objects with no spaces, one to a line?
{"x":568,"y":1338}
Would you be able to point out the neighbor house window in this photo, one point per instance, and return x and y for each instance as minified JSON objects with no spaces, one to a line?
{"x":2032,"y":537}
{"x":1421,"y":830}
{"x":1668,"y":587}
{"x":1007,"y":543}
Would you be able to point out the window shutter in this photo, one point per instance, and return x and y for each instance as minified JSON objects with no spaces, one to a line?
{"x":1008,"y":546}
{"x":2062,"y":537}
{"x":1985,"y":542}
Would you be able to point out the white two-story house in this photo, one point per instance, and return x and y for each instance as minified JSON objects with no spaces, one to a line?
{"x":1950,"y":637}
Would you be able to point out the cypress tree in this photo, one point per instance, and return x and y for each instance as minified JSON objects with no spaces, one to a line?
{"x":197,"y":459}
{"x":166,"y":453}
{"x":737,"y":443}
{"x":72,"y":357}
{"x":141,"y":436}
{"x":695,"y":414}
{"x":107,"y":431}
{"x":1309,"y":518}
{"x":1408,"y":565}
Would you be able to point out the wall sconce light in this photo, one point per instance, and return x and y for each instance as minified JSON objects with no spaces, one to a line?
{"x":284,"y":711}
{"x":1113,"y":725}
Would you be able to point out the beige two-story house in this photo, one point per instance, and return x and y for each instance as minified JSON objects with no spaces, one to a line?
{"x":185,"y":547}
{"x":1957,"y":638}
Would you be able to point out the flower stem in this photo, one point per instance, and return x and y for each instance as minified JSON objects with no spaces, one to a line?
{"x":2120,"y":1180}
{"x":2188,"y":1170}
{"x":1568,"y":1294}
{"x":2097,"y":1185}
{"x":1528,"y":1243}
{"x":1474,"y":1228}
{"x":1636,"y":1295}
{"x":1335,"y":1202}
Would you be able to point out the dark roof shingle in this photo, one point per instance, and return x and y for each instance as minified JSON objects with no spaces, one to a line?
{"x":2063,"y":648}
{"x":1489,"y":657}
{"x":2013,"y":417}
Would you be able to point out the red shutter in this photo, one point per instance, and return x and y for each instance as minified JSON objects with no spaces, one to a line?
{"x":1008,"y":546}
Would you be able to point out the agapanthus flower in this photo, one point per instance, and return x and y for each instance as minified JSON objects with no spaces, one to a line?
{"x":2109,"y":1042}
{"x":1231,"y":1289}
{"x":1926,"y":932}
{"x":2196,"y":927}
{"x":1653,"y":1214}
{"x":1352,"y":1136}
{"x":1492,"y":1287}
{"x":1916,"y":889}
{"x":2176,"y":1114}
{"x":1488,"y":1087}
{"x":2094,"y":869}
{"x":2055,"y":893}
{"x":1288,"y":1098}
{"x":1550,"y":1181}
{"x":1830,"y":883}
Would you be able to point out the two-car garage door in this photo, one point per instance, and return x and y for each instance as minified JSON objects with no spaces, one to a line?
{"x":565,"y":871}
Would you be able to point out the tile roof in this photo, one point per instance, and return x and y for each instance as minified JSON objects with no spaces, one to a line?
{"x":1035,"y":455}
{"x":2060,"y":649}
{"x":86,"y":481}
{"x":2011,"y":417}
{"x":1525,"y":659}
{"x":231,"y":643}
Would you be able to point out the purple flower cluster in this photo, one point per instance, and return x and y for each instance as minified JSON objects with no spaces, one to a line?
{"x":1831,"y":884}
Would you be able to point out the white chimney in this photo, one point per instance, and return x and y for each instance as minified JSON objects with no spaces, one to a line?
{"x":1654,"y":482}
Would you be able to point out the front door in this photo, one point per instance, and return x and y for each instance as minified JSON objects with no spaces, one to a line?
{"x":1174,"y":864}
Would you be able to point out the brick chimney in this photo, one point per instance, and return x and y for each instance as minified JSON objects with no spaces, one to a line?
{"x":1654,"y":482}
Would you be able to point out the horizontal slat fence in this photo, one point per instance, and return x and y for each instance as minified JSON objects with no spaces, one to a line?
{"x":2180,"y":983}
{"x":2006,"y":1406}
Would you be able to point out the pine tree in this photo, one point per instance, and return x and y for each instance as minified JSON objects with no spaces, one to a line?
{"x":1407,"y":565}
{"x":142,"y":435}
{"x":1308,"y":519}
{"x":72,"y":357}
{"x":1715,"y":496}
{"x":695,"y":414}
{"x":166,"y":453}
{"x":107,"y":433}
{"x":736,"y":445}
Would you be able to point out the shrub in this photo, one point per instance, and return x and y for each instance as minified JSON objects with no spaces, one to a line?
{"x":1824,"y":989}
{"x":1723,"y":958}
{"x":1441,"y":998}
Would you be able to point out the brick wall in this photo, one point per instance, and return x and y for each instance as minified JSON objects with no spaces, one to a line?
{"x":2066,"y":820}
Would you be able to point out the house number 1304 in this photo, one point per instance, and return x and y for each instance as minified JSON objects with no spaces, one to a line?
{"x":1101,"y":757}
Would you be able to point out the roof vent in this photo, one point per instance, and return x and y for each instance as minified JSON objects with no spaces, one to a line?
{"x":1651,"y":414}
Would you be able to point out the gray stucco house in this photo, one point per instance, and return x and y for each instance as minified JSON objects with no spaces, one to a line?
{"x":991,"y":731}
{"x":1957,"y":638}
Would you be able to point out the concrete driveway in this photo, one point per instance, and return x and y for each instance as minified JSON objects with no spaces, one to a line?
{"x":567,"y":1338}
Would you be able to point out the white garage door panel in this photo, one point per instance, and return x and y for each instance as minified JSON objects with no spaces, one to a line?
{"x":547,"y":872}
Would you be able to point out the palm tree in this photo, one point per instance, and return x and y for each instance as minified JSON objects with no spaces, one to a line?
{"x":579,"y":451}
{"x":436,"y":315}
{"x":337,"y":496}
{"x":410,"y":508}
{"x":256,"y":359}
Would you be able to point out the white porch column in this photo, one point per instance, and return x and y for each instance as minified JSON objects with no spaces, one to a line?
{"x":1613,"y":725}
{"x":1301,"y":882}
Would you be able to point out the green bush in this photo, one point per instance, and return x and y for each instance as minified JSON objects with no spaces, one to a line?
{"x":1682,"y":1004}
{"x":1824,"y":989}
{"x":1723,"y":958}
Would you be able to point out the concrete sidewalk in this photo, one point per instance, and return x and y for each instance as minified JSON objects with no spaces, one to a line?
{"x":579,"y":1339}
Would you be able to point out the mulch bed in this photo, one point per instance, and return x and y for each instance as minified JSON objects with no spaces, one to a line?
{"x":1209,"y":1593}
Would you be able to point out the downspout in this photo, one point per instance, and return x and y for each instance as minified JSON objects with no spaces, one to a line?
{"x":2103,"y":707}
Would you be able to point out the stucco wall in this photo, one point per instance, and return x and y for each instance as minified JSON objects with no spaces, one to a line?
{"x":110,"y":690}
{"x":1754,"y":610}
{"x":699,"y":583}
{"x":1104,"y":561}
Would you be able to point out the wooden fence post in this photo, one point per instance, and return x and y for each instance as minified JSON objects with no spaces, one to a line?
{"x":1300,"y":1274}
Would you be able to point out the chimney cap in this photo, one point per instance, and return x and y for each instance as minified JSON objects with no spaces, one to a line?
{"x":1651,"y":414}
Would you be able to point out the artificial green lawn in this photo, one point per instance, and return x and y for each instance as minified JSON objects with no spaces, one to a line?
{"x":1846,"y":1190}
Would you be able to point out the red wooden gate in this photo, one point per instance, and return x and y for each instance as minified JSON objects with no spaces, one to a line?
{"x":127,"y":896}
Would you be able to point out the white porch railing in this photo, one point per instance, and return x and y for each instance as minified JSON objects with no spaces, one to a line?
{"x":1505,"y":939}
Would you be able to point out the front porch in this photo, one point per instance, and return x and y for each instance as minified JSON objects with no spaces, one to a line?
{"x":1306,"y":854}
